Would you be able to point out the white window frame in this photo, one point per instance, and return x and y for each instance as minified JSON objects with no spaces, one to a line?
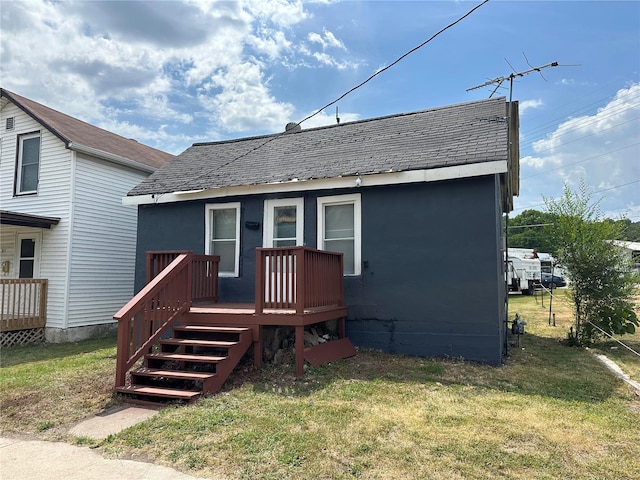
{"x":208,"y":231}
{"x":269,"y":206}
{"x":21,"y":140}
{"x":355,"y":199}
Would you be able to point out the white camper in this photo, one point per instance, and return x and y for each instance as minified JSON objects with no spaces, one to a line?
{"x":524,"y":270}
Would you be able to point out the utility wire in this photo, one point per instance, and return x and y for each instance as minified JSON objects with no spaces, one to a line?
{"x":581,"y":110}
{"x":580,"y":161}
{"x":275,"y":137}
{"x":613,"y":338}
{"x":397,"y":60}
{"x":586,"y":136}
{"x":529,"y":207}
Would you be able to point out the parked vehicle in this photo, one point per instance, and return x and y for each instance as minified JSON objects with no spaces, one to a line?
{"x":553,"y":281}
{"x":523,"y":270}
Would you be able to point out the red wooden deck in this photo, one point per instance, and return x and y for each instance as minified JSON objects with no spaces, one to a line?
{"x":298,"y":287}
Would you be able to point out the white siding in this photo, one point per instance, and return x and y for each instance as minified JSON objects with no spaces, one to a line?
{"x":103,"y":241}
{"x":52,"y":200}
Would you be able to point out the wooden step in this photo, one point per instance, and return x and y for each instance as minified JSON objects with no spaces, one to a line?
{"x":184,"y":357}
{"x":207,"y":329}
{"x":159,"y":392}
{"x":198,"y":343}
{"x":175,"y":374}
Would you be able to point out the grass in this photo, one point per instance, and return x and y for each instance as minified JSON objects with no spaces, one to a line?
{"x":550,"y":412}
{"x":44,"y":388}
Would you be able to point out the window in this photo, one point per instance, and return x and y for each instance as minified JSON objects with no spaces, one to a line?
{"x":28,"y":163}
{"x":283,"y":222}
{"x":339,"y":229}
{"x":223,"y":236}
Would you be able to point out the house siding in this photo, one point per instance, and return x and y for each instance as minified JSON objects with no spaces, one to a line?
{"x":103,"y":242}
{"x":52,"y":200}
{"x":431,"y":263}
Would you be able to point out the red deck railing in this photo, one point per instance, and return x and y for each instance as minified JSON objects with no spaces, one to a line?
{"x":298,"y":278}
{"x":151,"y":312}
{"x":295,"y":278}
{"x":205,"y":272}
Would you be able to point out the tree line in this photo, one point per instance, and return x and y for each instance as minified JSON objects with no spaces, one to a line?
{"x":533,"y":229}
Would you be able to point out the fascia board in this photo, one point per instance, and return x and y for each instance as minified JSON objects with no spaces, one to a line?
{"x":378,"y":179}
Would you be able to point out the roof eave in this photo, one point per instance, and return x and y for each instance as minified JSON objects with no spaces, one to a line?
{"x":378,"y":179}
{"x":110,"y":157}
{"x":28,"y":111}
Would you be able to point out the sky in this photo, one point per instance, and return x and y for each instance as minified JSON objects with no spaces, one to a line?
{"x":172,"y":73}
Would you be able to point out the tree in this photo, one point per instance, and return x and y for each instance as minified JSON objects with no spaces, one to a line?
{"x":530,"y":229}
{"x":602,"y":282}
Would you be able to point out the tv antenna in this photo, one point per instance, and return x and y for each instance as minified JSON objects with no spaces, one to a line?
{"x":500,"y":80}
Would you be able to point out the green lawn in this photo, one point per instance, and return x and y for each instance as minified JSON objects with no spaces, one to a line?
{"x":550,"y":412}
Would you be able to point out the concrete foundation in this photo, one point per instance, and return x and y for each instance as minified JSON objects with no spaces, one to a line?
{"x":66,"y":335}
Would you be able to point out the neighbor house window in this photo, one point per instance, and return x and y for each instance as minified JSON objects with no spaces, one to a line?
{"x":339,"y":229}
{"x":28,"y":163}
{"x":223,"y":236}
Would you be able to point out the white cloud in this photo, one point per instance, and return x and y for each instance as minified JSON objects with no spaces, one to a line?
{"x":327,"y":40}
{"x":601,"y":148}
{"x":134,"y":66}
{"x":529,"y":104}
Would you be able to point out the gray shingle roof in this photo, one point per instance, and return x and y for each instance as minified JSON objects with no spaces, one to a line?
{"x":454,"y":135}
{"x":72,"y":130}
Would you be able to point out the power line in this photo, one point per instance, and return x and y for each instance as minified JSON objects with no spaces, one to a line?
{"x":553,"y":122}
{"x":598,"y":191}
{"x":396,"y":61}
{"x":580,"y":161}
{"x":275,"y":137}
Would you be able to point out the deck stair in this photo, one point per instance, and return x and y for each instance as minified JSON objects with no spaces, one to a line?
{"x":196,"y":360}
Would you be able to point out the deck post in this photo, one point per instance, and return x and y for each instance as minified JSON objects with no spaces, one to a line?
{"x":299,"y":350}
{"x":260,"y":280}
{"x":257,"y":346}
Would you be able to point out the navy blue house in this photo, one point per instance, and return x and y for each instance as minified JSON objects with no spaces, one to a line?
{"x":414,"y":201}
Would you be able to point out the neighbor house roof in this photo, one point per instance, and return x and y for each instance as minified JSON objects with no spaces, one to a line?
{"x":81,"y":136}
{"x":464,"y":135}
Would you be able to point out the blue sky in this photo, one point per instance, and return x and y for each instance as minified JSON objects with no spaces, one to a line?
{"x":173,"y":73}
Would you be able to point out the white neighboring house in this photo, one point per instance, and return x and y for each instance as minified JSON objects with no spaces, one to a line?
{"x":62,"y":219}
{"x":632,"y":249}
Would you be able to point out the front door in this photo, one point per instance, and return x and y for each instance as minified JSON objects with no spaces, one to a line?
{"x":28,"y":255}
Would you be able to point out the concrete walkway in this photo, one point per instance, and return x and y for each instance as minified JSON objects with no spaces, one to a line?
{"x":38,"y":460}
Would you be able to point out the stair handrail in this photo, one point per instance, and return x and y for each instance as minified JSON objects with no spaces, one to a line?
{"x":151,"y":312}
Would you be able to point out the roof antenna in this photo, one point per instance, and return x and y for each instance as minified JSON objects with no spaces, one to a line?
{"x":337,"y":117}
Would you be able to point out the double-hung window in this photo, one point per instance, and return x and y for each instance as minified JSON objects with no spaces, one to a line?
{"x":223,"y":236}
{"x":339,"y":229}
{"x":28,"y":164}
{"x":283,"y":222}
